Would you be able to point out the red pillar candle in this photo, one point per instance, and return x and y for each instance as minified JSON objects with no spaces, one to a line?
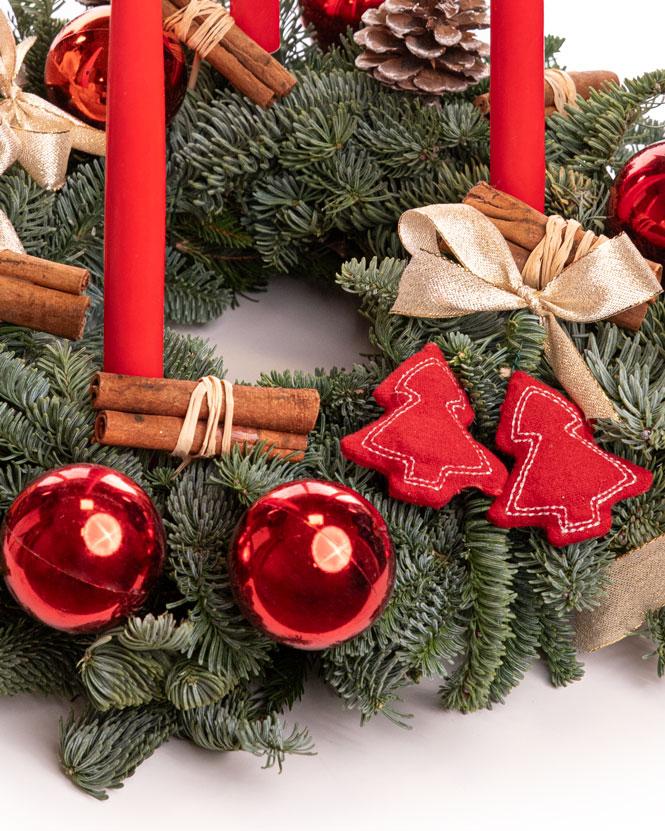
{"x":260,"y":20}
{"x":135,"y":233}
{"x":517,"y":93}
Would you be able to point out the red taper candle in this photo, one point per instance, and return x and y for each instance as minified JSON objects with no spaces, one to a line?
{"x":260,"y":20}
{"x":517,"y":93}
{"x":135,"y":232}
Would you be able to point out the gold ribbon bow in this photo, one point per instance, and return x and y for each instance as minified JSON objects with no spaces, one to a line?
{"x":609,"y":280}
{"x":33,"y":132}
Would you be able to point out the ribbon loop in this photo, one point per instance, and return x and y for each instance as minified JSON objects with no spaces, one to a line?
{"x":612,"y":278}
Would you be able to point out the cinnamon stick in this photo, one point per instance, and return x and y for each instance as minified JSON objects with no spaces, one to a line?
{"x":55,"y":312}
{"x":58,"y":276}
{"x":231,"y":68}
{"x":254,"y":58}
{"x":584,"y":83}
{"x":270,"y":408}
{"x":159,"y":432}
{"x":523,"y":228}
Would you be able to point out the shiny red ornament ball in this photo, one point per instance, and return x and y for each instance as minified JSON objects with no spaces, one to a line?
{"x":637,"y":202}
{"x":312,"y":564}
{"x":77,"y":65}
{"x":331,"y":18}
{"x":81,"y":547}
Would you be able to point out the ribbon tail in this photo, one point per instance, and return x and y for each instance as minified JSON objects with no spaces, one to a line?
{"x":45,"y":156}
{"x":574,"y":375}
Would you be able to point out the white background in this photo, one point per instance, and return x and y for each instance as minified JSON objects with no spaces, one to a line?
{"x":588,"y":756}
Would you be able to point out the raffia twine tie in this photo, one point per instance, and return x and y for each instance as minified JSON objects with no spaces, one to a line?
{"x":218,"y":394}
{"x":548,"y":259}
{"x":216,"y":22}
{"x":563,"y":88}
{"x":601,"y":283}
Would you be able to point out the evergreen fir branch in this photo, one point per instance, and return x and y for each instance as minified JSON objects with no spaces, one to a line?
{"x":36,"y":660}
{"x":296,"y":40}
{"x":485,"y":610}
{"x":13,"y":479}
{"x":200,"y":520}
{"x":375,"y":282}
{"x":524,"y":338}
{"x":283,"y":682}
{"x":368,"y":681}
{"x":189,"y":357}
{"x":190,"y":685}
{"x":28,"y":207}
{"x":641,"y":519}
{"x":655,"y":633}
{"x":231,"y":724}
{"x":249,"y":475}
{"x":149,"y":633}
{"x":523,"y":643}
{"x":268,"y":739}
{"x":478,"y":369}
{"x":553,"y":46}
{"x":566,"y":578}
{"x":68,"y":372}
{"x":588,"y":139}
{"x":557,"y":641}
{"x":99,"y":751}
{"x":117,"y":677}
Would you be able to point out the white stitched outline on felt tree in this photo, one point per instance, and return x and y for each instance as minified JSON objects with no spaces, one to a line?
{"x":534,"y":440}
{"x":370,"y":442}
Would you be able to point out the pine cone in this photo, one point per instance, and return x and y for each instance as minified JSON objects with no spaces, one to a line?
{"x":425,"y":46}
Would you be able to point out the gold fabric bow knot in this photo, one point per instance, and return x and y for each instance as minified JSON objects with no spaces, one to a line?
{"x":609,"y":280}
{"x":33,"y":132}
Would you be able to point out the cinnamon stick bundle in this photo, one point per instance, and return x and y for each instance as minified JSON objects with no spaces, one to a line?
{"x":584,"y":83}
{"x":270,"y":408}
{"x":43,"y":295}
{"x":248,"y":67}
{"x":159,"y":432}
{"x":149,"y":413}
{"x":523,"y":228}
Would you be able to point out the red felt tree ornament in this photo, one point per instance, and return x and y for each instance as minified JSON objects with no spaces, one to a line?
{"x":562,"y":480}
{"x":422,"y":443}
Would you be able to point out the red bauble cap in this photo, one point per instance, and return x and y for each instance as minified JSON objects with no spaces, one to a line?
{"x":81,"y":547}
{"x":76,"y":70}
{"x":637,"y":202}
{"x":312,"y":564}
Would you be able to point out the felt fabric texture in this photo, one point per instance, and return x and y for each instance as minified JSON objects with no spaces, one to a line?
{"x":562,"y":480}
{"x":421,"y":443}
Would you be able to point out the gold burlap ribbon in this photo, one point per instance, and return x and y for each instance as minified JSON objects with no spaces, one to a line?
{"x":637,"y":587}
{"x":33,"y":132}
{"x":612,"y":278}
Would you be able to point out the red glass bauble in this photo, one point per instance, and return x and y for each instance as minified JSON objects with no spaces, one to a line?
{"x":77,"y":62}
{"x":312,"y":564}
{"x":331,"y":18}
{"x":81,"y":547}
{"x":637,"y":202}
